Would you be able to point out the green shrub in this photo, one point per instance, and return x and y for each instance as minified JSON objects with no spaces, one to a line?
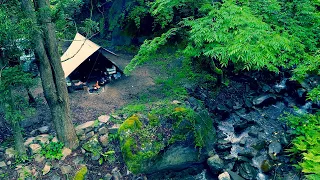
{"x":306,"y":144}
{"x":52,"y":150}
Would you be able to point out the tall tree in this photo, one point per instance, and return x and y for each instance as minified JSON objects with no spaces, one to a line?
{"x":52,"y":75}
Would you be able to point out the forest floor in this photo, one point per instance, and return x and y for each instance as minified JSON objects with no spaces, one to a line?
{"x":87,"y":107}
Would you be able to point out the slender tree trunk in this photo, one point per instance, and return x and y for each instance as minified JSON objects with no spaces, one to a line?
{"x":16,"y":128}
{"x":52,"y":75}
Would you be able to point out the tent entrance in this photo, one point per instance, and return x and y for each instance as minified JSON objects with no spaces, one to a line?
{"x":94,"y":72}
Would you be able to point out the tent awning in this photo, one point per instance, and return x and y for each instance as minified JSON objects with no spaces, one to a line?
{"x":79,"y":50}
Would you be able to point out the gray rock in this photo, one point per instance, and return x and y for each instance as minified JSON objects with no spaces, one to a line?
{"x":84,"y":128}
{"x":114,"y":129}
{"x":235,"y":176}
{"x":89,"y":135}
{"x":44,"y":129}
{"x":215,"y":163}
{"x":247,"y":152}
{"x":261,"y":99}
{"x":35,"y":148}
{"x":2,"y":164}
{"x":104,"y":118}
{"x":103,"y":130}
{"x":66,"y":169}
{"x":78,"y":160}
{"x":107,"y":177}
{"x":274,"y":149}
{"x":247,"y":171}
{"x":224,"y":176}
{"x":104,"y":140}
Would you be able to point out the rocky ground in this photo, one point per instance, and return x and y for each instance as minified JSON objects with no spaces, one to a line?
{"x":250,"y":141}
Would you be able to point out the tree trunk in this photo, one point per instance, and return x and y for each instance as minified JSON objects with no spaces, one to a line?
{"x":16,"y":128}
{"x":52,"y":75}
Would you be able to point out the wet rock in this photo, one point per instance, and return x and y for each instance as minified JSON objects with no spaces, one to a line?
{"x":104,"y":140}
{"x":65,"y":152}
{"x":66,"y":169}
{"x":264,"y":99}
{"x":104,"y":118}
{"x":223,"y":145}
{"x":103,"y":131}
{"x":247,"y":152}
{"x":243,"y":159}
{"x":261,"y":176}
{"x":266,"y":166}
{"x":266,"y":88}
{"x":44,"y":129}
{"x":281,"y":85}
{"x":46,"y":169}
{"x":116,"y":175}
{"x":235,"y":176}
{"x":274,"y":149}
{"x":107,"y":177}
{"x":35,"y":148}
{"x":259,"y":145}
{"x":215,"y":163}
{"x":224,"y":176}
{"x":301,"y":92}
{"x":2,"y":164}
{"x":84,"y":128}
{"x":248,"y":103}
{"x":247,"y":171}
{"x":10,"y":153}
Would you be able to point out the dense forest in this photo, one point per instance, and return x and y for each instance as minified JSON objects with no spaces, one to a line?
{"x":160,"y":89}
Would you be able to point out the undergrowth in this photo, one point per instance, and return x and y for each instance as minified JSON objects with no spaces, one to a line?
{"x":306,"y":144}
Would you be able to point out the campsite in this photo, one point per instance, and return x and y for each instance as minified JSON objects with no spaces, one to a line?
{"x":159,"y":90}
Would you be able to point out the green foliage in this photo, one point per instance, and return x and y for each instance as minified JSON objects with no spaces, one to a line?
{"x":306,"y":144}
{"x":108,"y":156}
{"x":93,"y":146}
{"x":52,"y":150}
{"x":314,"y":94}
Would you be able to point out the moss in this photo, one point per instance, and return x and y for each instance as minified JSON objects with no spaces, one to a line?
{"x":80,"y":175}
{"x":153,"y":120}
{"x":131,"y":123}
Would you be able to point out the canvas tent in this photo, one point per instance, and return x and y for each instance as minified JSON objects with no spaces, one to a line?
{"x":85,"y":55}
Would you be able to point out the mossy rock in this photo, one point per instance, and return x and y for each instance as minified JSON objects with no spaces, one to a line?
{"x":147,"y":147}
{"x":81,"y":174}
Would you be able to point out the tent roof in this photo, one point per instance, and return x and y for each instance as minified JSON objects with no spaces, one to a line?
{"x":79,"y":50}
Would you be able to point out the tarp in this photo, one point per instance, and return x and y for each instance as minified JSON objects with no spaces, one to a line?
{"x":79,"y":50}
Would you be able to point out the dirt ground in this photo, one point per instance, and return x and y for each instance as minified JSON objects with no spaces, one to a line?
{"x":86,"y":107}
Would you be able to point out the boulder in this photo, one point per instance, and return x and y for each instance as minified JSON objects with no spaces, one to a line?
{"x":224,"y":176}
{"x":274,"y":149}
{"x":261,"y":100}
{"x":215,"y":163}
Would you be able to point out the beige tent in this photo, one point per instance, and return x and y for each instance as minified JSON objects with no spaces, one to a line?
{"x":79,"y":51}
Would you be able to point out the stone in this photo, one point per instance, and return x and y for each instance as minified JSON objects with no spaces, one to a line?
{"x":9,"y":163}
{"x":247,"y":152}
{"x":38,"y":158}
{"x":43,"y":138}
{"x":104,"y":118}
{"x":55,"y":139}
{"x":107,"y":177}
{"x":224,"y":176}
{"x":29,"y":141}
{"x":274,"y":149}
{"x":103,"y":130}
{"x":65,"y":152}
{"x":176,"y":102}
{"x":263,"y":99}
{"x":89,"y":135}
{"x":247,"y":171}
{"x":78,"y":160}
{"x":46,"y":169}
{"x":116,"y":175}
{"x":10,"y":153}
{"x":44,"y":129}
{"x":235,"y":176}
{"x":84,"y":128}
{"x":215,"y":163}
{"x":104,"y":140}
{"x":2,"y":164}
{"x":35,"y":148}
{"x":114,"y":129}
{"x":266,"y":166}
{"x":65,"y":169}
